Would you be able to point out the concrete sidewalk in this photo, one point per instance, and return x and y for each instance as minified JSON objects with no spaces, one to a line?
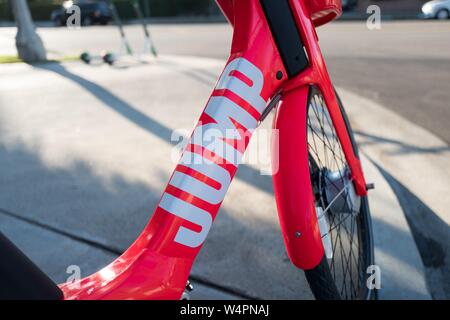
{"x":416,"y":164}
{"x":85,"y":153}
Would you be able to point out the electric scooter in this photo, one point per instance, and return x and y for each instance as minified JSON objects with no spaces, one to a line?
{"x":149,"y":46}
{"x":107,"y":57}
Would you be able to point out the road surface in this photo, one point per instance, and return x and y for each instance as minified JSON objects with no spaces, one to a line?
{"x":413,"y":55}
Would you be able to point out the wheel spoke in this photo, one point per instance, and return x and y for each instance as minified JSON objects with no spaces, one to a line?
{"x":330,"y":176}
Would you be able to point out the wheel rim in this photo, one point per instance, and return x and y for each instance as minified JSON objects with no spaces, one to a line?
{"x":87,"y":21}
{"x":334,"y":199}
{"x":443,"y":14}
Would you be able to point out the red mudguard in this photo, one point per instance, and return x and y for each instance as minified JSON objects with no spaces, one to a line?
{"x":293,"y":191}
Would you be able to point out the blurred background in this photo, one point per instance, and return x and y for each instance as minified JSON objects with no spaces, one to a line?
{"x":85,"y":147}
{"x":42,"y":9}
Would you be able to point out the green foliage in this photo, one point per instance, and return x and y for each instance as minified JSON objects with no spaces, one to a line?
{"x":160,"y":8}
{"x":41,"y":9}
{"x":165,"y":8}
{"x":5,"y":11}
{"x":15,"y":59}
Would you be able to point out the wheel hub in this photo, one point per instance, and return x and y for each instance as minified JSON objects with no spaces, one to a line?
{"x":339,"y":192}
{"x":338,"y":197}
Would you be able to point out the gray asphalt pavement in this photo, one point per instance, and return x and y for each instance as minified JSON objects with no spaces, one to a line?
{"x":413,"y":55}
{"x":405,"y":66}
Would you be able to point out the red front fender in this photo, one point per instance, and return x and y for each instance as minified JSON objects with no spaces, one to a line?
{"x":293,"y":191}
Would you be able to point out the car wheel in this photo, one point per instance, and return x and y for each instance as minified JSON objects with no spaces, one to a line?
{"x":87,"y":21}
{"x":442,"y":14}
{"x":57,"y":22}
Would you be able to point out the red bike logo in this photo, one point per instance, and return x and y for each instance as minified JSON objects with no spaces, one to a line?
{"x":208,"y":164}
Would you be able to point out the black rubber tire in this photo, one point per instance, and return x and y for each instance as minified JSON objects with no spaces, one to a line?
{"x":445,"y":11}
{"x":57,"y":22}
{"x":109,"y":58}
{"x":87,"y":21}
{"x":86,"y":57}
{"x":320,"y":278}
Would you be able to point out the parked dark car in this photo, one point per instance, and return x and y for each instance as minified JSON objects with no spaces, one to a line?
{"x":437,"y":9}
{"x":348,"y":5}
{"x":92,"y":12}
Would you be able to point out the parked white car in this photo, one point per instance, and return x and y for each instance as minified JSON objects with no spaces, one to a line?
{"x":437,"y":9}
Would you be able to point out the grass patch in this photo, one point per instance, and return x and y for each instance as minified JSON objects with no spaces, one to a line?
{"x":66,"y":58}
{"x":10,"y":59}
{"x":16,"y":59}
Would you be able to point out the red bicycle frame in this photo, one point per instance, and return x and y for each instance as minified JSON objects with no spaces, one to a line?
{"x":158,"y":263}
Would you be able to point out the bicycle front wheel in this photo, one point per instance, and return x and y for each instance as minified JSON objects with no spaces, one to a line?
{"x":344,"y":217}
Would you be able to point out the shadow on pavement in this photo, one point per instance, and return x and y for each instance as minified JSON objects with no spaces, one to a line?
{"x":236,"y":257}
{"x":431,"y":234}
{"x":201,"y":75}
{"x":246,"y":173}
{"x":75,"y":202}
{"x":402,"y":147}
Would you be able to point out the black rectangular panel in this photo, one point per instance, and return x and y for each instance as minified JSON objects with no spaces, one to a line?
{"x":286,"y":35}
{"x":21,"y":279}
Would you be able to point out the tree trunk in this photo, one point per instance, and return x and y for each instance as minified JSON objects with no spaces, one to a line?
{"x":29,"y":46}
